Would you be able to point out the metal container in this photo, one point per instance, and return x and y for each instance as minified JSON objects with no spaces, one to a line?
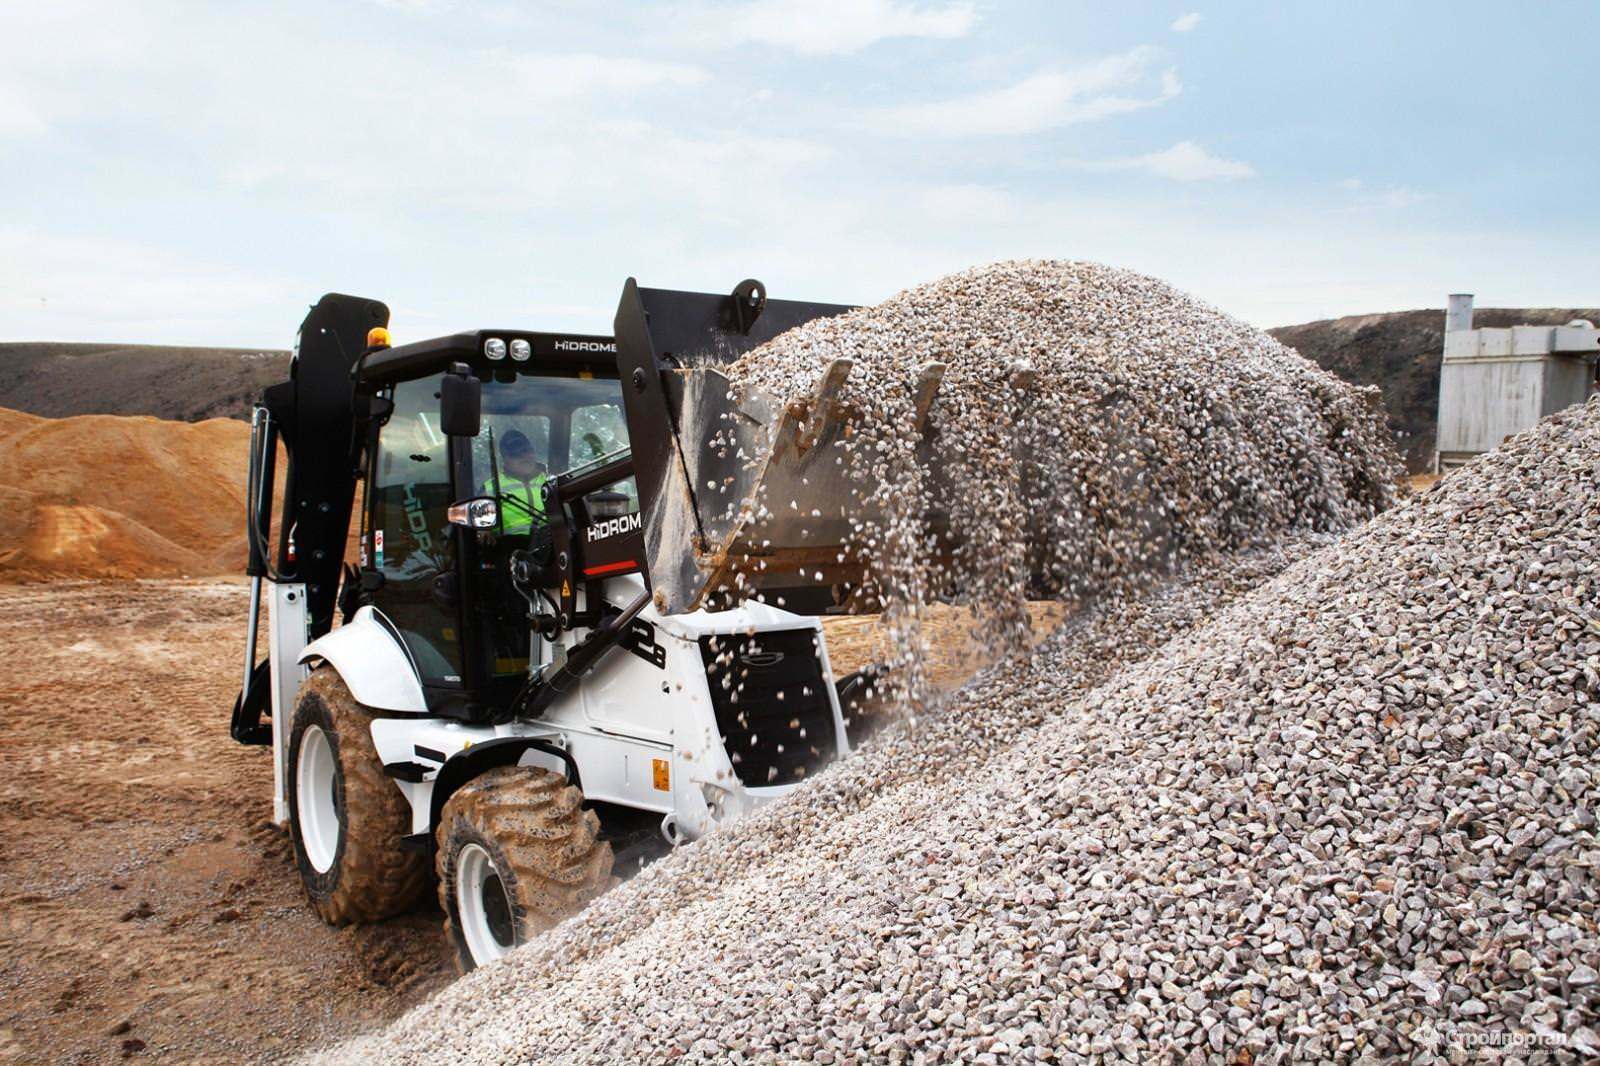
{"x":1494,"y":383}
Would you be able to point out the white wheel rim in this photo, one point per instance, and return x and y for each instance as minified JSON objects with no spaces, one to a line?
{"x":483,"y":905}
{"x":318,"y":814}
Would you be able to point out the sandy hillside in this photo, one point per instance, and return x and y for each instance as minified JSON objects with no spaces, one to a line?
{"x":109,"y":496}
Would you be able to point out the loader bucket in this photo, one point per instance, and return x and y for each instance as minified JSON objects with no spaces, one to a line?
{"x":739,"y":494}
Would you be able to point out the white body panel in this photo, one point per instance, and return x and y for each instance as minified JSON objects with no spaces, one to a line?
{"x":286,"y":637}
{"x":643,"y":736}
{"x":373,"y":664}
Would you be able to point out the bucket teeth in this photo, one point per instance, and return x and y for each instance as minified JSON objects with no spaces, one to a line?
{"x":810,"y":416}
{"x":929,"y":379}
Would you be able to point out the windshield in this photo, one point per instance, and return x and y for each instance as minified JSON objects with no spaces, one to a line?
{"x":536,"y":427}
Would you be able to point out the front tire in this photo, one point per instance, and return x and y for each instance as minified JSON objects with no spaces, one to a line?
{"x":517,"y":854}
{"x":346,"y":815}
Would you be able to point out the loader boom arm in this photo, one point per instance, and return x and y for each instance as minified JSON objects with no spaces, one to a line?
{"x":313,"y":415}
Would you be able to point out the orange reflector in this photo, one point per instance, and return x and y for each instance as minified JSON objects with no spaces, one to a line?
{"x":377,"y":337}
{"x":659,"y":775}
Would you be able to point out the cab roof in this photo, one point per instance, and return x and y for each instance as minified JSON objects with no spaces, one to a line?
{"x":564,"y":351}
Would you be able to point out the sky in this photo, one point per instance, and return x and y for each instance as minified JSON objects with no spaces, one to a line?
{"x":188,"y":173}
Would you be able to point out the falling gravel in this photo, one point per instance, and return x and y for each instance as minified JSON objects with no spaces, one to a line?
{"x":1349,"y":815}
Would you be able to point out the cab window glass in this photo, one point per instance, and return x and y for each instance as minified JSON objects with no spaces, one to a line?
{"x":537,"y":426}
{"x":597,"y":430}
{"x":412,"y":545}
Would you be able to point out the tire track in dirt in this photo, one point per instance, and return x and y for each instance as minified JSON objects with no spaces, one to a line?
{"x":140,"y":879}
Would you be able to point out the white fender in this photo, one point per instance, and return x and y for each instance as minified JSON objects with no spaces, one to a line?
{"x":372,"y":663}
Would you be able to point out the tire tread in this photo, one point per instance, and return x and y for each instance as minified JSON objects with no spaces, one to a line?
{"x":377,"y":878}
{"x":546,"y":845}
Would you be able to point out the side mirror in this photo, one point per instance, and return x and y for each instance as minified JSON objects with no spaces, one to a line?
{"x":460,"y":403}
{"x":482,"y":512}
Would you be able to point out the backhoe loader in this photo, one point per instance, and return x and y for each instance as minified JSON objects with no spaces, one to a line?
{"x":560,"y":615}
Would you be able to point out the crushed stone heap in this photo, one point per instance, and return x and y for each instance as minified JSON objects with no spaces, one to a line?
{"x":1092,"y":424}
{"x":945,"y":744}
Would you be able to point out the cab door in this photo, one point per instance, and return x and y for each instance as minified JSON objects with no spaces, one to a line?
{"x":409,"y":538}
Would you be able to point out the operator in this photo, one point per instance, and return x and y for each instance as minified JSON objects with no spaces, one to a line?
{"x":521,"y":488}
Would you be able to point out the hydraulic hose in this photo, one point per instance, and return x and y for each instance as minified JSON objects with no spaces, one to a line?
{"x":263,"y":456}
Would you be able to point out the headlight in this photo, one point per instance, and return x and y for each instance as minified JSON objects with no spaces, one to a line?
{"x":494,"y":348}
{"x":521,"y":350}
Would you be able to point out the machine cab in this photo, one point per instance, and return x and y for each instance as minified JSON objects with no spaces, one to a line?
{"x":551,"y":408}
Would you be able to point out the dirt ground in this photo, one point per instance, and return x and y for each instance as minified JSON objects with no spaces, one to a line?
{"x":148,"y":907}
{"x":1421,"y":482}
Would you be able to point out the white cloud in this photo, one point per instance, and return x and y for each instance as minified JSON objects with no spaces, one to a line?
{"x":832,"y":27}
{"x":1043,"y":101}
{"x":174,"y":199}
{"x":1400,"y":196}
{"x":585,"y":73}
{"x":1185,"y":23}
{"x":1184,"y":161}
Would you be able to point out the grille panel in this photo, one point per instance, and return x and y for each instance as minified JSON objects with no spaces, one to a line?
{"x":768,"y":694}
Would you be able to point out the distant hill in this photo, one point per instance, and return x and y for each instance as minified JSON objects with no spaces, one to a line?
{"x":178,"y":384}
{"x":1399,"y":352}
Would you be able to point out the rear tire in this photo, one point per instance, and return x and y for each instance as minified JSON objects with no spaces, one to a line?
{"x":517,"y":854}
{"x":346,"y":816}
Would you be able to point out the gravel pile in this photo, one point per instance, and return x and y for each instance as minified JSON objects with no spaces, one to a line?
{"x":1350,"y":815}
{"x":944,"y":744}
{"x":1092,"y":425}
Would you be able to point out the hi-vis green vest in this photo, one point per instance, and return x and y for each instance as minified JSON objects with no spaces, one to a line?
{"x":514,"y":519}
